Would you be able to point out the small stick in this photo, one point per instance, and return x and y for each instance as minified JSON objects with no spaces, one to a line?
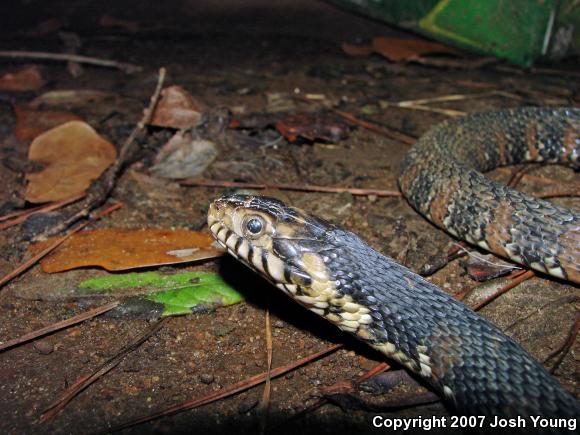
{"x":560,"y":194}
{"x":379,"y":368}
{"x":84,"y":381}
{"x":227,"y":391}
{"x":63,"y":57}
{"x":460,"y":295}
{"x":389,"y":132}
{"x":58,"y":326}
{"x":565,"y":348}
{"x":21,"y":216}
{"x":300,"y":188}
{"x":532,"y":177}
{"x":32,"y":261}
{"x":447,"y":112}
{"x":442,"y":98}
{"x":421,"y":103}
{"x":543,"y":71}
{"x":517,"y":176}
{"x":20,"y":213}
{"x":559,"y":301}
{"x":393,"y":134}
{"x":266,"y":394}
{"x":519,"y":279}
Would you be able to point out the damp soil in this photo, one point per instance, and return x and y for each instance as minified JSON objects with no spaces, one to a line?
{"x":234,"y":55}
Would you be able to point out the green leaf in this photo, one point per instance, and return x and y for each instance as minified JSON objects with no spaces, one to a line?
{"x":180,"y":293}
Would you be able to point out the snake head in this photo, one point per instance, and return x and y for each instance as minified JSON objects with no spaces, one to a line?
{"x":282,"y":243}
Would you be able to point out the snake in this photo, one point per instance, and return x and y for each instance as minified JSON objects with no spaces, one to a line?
{"x":471,"y":363}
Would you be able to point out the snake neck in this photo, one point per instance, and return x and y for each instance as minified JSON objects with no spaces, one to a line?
{"x":471,"y":362}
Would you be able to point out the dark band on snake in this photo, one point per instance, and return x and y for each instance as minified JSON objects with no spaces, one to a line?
{"x":335,"y":274}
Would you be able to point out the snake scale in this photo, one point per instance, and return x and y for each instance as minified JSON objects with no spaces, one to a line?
{"x":332,"y":272}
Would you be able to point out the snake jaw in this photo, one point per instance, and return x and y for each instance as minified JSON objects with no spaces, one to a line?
{"x":275,"y":250}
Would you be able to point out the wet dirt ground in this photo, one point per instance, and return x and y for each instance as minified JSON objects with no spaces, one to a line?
{"x":234,"y":56}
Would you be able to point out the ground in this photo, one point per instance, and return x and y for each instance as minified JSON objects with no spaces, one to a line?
{"x":233,"y":55}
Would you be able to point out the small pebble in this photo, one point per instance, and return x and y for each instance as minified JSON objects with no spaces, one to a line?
{"x":279,"y":324}
{"x":222,"y":330}
{"x":206,"y":378}
{"x":44,"y":347}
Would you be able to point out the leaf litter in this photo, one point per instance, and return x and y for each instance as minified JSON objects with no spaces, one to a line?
{"x":73,"y":155}
{"x":398,"y":49}
{"x":28,"y":78}
{"x":30,"y":123}
{"x":122,"y":249}
{"x":176,"y":109}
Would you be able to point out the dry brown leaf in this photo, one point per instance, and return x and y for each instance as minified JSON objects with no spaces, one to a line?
{"x":69,"y":97}
{"x":31,"y":123}
{"x":110,"y":21}
{"x":356,"y":50}
{"x":122,"y":249}
{"x":398,"y":49}
{"x":25,"y":79}
{"x":176,"y":109}
{"x":73,"y":155}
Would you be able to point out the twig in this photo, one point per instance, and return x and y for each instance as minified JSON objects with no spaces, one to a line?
{"x":265,"y":403}
{"x":565,"y":348}
{"x":20,"y":213}
{"x":560,"y":194}
{"x":381,"y":129}
{"x":84,"y":381}
{"x":447,"y":112}
{"x":420,"y":104}
{"x":559,"y":301}
{"x":379,"y":368}
{"x":442,"y":98}
{"x":32,"y":261}
{"x":393,"y":134}
{"x":376,"y":370}
{"x":531,"y":177}
{"x":227,"y":391}
{"x":21,"y":216}
{"x":99,"y":190}
{"x":460,"y":295}
{"x":301,"y":188}
{"x":543,"y":71}
{"x":58,"y":326}
{"x":519,"y":279}
{"x":517,"y":175}
{"x":63,"y":57}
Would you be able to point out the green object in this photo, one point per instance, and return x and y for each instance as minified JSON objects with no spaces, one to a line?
{"x":179,"y":293}
{"x":520,"y":31}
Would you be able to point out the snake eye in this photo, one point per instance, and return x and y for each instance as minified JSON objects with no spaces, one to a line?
{"x":254,"y":226}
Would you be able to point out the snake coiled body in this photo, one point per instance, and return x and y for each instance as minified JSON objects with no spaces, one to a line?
{"x":335,"y":274}
{"x":441,"y":178}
